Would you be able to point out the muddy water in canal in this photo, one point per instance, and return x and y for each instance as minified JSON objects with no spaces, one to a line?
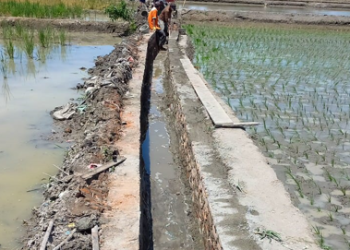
{"x":30,"y":89}
{"x":172,"y":225}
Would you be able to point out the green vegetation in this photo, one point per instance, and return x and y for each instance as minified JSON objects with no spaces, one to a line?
{"x":21,"y":40}
{"x":120,"y":10}
{"x":39,"y":10}
{"x":295,"y":82}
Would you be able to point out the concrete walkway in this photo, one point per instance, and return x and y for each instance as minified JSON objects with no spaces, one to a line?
{"x":123,"y":228}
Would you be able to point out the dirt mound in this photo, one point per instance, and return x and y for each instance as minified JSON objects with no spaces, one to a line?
{"x":119,"y":28}
{"x":75,"y":203}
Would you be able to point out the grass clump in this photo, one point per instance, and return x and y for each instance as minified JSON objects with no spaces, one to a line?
{"x":10,"y":49}
{"x":121,"y":10}
{"x":38,"y":10}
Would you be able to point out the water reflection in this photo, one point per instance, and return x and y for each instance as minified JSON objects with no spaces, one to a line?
{"x":261,"y":8}
{"x":31,"y":88}
{"x":6,"y":90}
{"x":26,"y":66}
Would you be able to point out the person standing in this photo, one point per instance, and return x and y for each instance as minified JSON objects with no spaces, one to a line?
{"x":165,"y":17}
{"x":153,"y":17}
{"x":153,"y":23}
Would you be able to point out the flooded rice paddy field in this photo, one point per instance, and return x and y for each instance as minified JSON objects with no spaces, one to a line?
{"x":33,"y":82}
{"x":207,"y":6}
{"x":294,"y":81}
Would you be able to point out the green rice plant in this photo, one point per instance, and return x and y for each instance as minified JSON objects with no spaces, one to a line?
{"x":337,"y":182}
{"x":19,"y":29}
{"x":336,"y":208}
{"x":121,"y":10}
{"x":297,"y":182}
{"x":45,"y":37}
{"x":29,"y":45}
{"x":312,"y":200}
{"x":317,"y":230}
{"x":3,"y":66}
{"x":345,"y":175}
{"x":299,"y":92}
{"x":343,"y":190}
{"x":38,"y":10}
{"x":329,"y":176}
{"x":7,"y":31}
{"x":330,"y":216}
{"x":10,"y":49}
{"x":62,"y":37}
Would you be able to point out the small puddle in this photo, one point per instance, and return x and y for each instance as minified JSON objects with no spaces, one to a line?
{"x":169,"y":209}
{"x":268,"y":9}
{"x":33,"y":88}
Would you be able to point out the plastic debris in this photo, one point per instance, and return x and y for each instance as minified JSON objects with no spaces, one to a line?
{"x":71,"y":225}
{"x":94,"y":165}
{"x":64,"y":112}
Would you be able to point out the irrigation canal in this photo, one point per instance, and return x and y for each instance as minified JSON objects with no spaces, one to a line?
{"x":169,"y":207}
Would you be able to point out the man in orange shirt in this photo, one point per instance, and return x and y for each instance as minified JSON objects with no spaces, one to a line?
{"x":154,"y":25}
{"x":153,"y":17}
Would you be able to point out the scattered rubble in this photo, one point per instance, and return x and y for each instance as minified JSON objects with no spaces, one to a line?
{"x":75,"y":203}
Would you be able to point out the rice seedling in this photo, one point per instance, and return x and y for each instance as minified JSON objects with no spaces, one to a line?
{"x":299,"y":94}
{"x":19,"y":29}
{"x":28,"y":40}
{"x":317,"y":230}
{"x":3,"y":66}
{"x":296,"y":181}
{"x":62,"y":37}
{"x":329,"y":175}
{"x":343,"y":190}
{"x":330,"y":216}
{"x":10,"y":49}
{"x":45,"y":36}
{"x":312,"y":200}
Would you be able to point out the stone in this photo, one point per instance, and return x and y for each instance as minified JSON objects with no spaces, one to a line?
{"x":67,"y":178}
{"x":86,"y":223}
{"x":68,"y":130}
{"x":63,"y":195}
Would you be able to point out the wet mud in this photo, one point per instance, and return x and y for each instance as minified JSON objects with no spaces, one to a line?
{"x":170,"y":210}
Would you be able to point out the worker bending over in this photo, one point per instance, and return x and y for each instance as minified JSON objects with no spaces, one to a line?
{"x":165,"y":17}
{"x":153,"y":24}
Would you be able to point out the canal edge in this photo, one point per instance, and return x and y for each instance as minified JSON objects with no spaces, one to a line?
{"x":123,"y":229}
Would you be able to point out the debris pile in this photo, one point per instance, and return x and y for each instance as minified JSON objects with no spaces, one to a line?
{"x":76,"y":196}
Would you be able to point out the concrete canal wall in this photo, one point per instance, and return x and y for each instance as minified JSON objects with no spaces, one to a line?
{"x":237,"y":196}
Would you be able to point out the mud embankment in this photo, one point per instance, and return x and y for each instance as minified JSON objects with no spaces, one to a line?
{"x":238,"y":16}
{"x":74,"y":203}
{"x":117,"y":28}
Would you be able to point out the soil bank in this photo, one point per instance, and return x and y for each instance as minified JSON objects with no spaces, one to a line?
{"x":72,"y":201}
